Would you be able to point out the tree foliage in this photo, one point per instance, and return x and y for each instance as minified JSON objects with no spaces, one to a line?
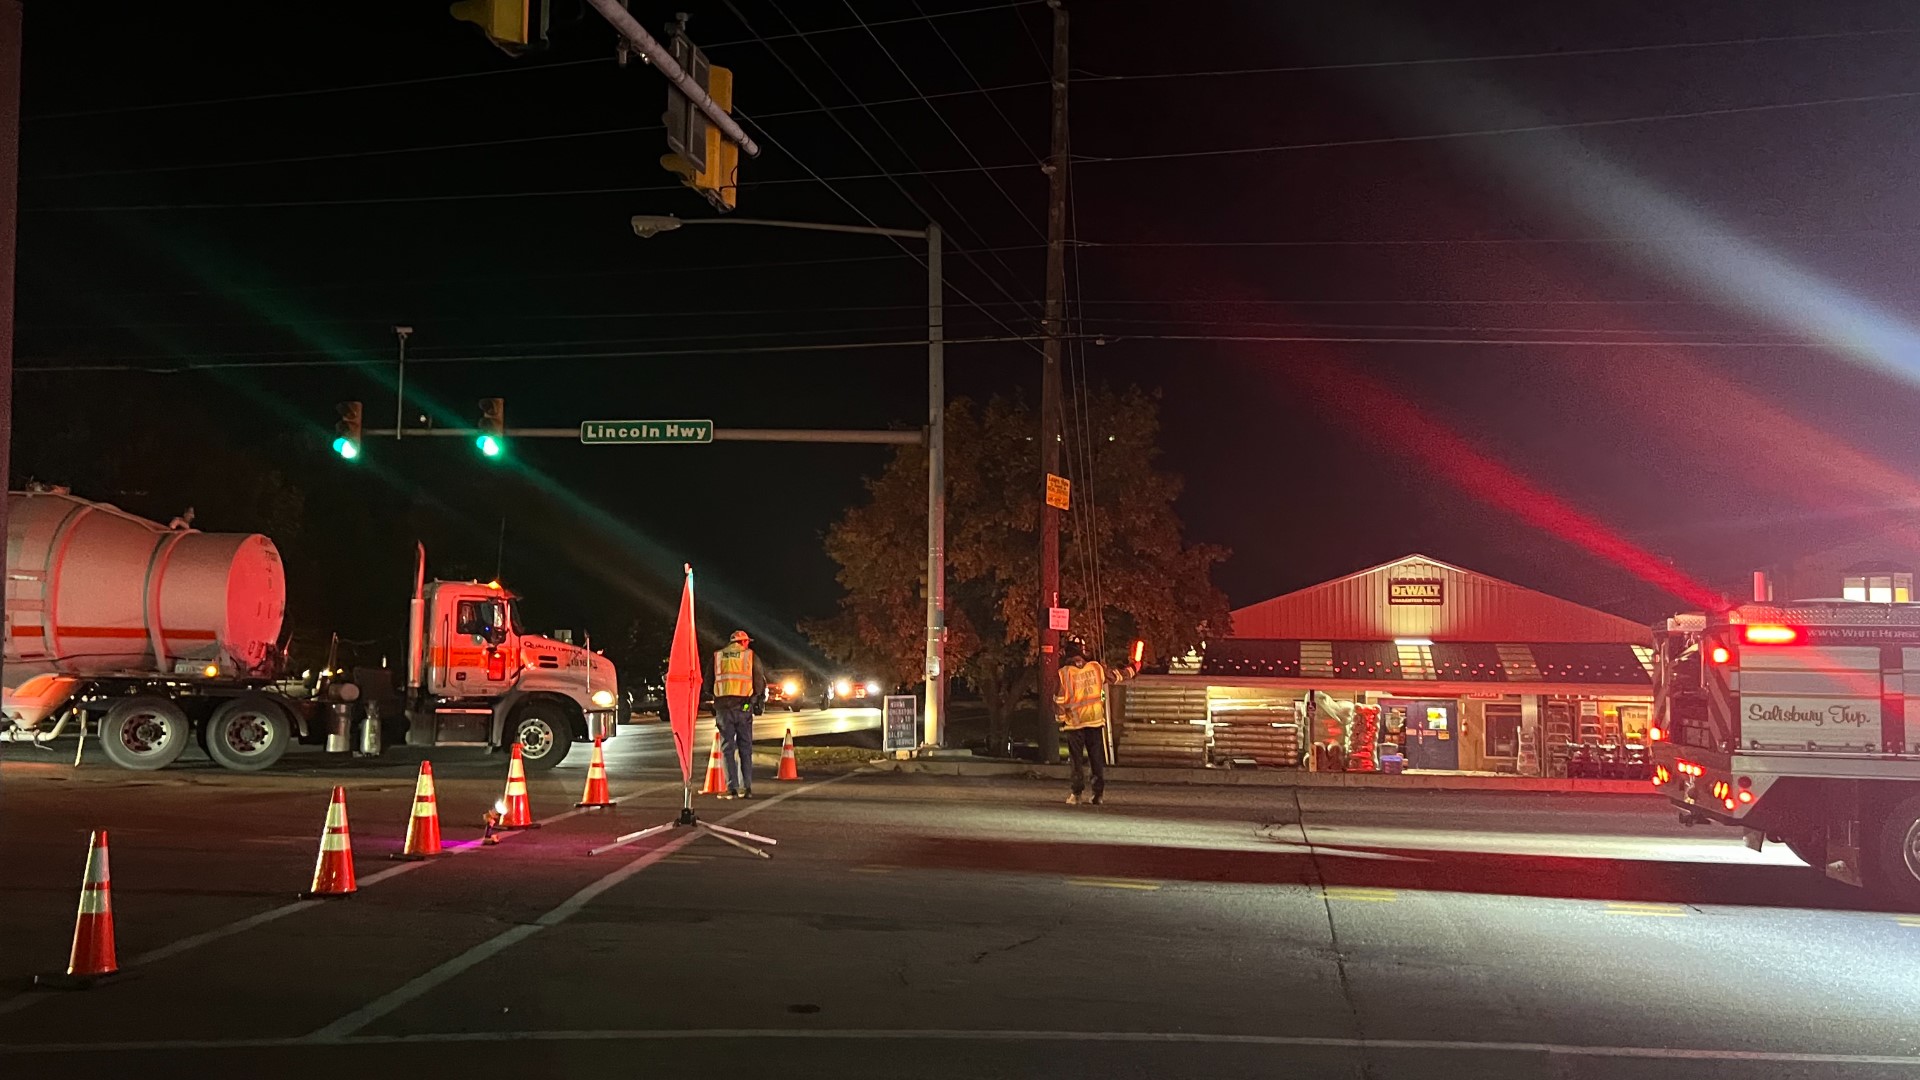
{"x":1123,"y":557}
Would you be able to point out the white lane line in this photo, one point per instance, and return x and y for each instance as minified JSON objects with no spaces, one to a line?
{"x":1467,"y":1046}
{"x":344,"y":1027}
{"x":240,"y":926}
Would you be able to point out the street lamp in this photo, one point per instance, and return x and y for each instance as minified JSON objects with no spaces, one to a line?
{"x":650,"y":225}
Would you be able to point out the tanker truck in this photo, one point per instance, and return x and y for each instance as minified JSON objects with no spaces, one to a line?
{"x":156,"y":635}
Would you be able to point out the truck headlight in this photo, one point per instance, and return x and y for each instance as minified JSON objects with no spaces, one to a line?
{"x":873,"y":688}
{"x":603,"y":698}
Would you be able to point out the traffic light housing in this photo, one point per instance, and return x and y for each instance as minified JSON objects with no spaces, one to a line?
{"x":515,"y":26}
{"x":492,"y":440}
{"x":703,"y":158}
{"x":346,"y":438}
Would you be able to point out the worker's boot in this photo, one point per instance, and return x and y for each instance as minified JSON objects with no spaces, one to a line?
{"x":1073,"y":798}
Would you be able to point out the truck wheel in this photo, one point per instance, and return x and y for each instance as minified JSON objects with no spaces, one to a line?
{"x":144,"y":733}
{"x":247,"y":733}
{"x":544,"y":735}
{"x":1894,"y":867}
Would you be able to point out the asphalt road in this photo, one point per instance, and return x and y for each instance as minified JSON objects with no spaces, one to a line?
{"x":927,"y":927}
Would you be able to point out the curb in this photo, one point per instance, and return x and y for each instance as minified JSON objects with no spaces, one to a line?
{"x":1277,"y":778}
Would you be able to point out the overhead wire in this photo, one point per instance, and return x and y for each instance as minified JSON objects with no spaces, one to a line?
{"x":1487,"y":58}
{"x":967,"y":70}
{"x":958,"y":217}
{"x":1522,"y":129}
{"x":958,"y":139}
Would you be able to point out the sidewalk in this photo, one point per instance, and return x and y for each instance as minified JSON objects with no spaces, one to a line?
{"x":1135,"y":774}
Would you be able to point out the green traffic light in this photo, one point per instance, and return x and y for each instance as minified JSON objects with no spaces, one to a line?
{"x":346,"y":448}
{"x":488,"y":445}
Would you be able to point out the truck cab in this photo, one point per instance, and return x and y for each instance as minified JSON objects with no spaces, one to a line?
{"x":476,"y":677}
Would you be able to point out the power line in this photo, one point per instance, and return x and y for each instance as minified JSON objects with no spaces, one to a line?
{"x":622,"y":354}
{"x":392,"y":83}
{"x":1498,"y":241}
{"x":1485,"y":58}
{"x":967,"y":69}
{"x":848,"y":132}
{"x":429,"y":319}
{"x":1527,"y":129}
{"x":1324,"y":339}
{"x":1105,"y":321}
{"x":938,"y":115}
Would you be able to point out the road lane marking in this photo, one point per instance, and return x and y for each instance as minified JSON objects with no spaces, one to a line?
{"x":426,"y":982}
{"x":1111,"y":883}
{"x":1912,"y":921}
{"x":687,"y":857}
{"x":1567,"y":1050}
{"x":1362,"y":894}
{"x":876,"y":868}
{"x":240,"y":926}
{"x":1655,"y":911}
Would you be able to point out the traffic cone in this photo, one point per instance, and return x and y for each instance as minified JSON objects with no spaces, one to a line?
{"x":516,"y":812}
{"x":92,"y":958}
{"x":716,"y":771}
{"x":596,"y":794}
{"x":423,"y":828}
{"x":333,"y":870}
{"x":789,"y":765}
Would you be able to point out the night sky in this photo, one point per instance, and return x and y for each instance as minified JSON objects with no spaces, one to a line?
{"x":201,"y":189}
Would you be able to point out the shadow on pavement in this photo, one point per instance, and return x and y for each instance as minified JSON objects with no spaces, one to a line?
{"x":1546,"y":876}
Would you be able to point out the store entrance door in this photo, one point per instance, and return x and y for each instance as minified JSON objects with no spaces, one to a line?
{"x":1433,"y":735}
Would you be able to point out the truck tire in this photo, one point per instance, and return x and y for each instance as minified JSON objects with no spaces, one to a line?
{"x":144,"y":733}
{"x":1893,"y":861}
{"x":247,"y":733}
{"x":543,"y":732}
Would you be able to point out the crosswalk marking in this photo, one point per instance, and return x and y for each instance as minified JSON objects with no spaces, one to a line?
{"x":1106,"y":883}
{"x":1634,"y":907}
{"x":1362,"y":894}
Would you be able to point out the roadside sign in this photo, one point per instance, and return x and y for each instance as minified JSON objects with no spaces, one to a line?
{"x":1057,"y":618}
{"x":618,"y":432}
{"x":902,"y":723}
{"x":1059,"y":492}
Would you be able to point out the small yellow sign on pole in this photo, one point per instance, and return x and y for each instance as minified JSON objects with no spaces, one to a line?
{"x":1059,"y":491}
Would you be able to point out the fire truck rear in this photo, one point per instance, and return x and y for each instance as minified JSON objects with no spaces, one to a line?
{"x":1792,"y":722}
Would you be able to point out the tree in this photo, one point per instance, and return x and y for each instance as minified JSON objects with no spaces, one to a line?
{"x":1126,"y":569}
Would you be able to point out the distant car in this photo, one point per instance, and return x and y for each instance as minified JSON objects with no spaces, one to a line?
{"x":786,"y":689}
{"x":848,"y":692}
{"x":646,"y":699}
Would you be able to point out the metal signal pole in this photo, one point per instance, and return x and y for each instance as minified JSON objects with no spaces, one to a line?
{"x":1050,"y":408}
{"x":10,"y":34}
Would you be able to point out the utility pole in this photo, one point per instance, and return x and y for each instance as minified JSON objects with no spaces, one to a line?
{"x":9,"y":207}
{"x":936,"y":657}
{"x":1050,"y":409}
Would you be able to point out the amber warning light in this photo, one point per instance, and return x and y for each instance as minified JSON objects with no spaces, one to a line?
{"x":1765,"y":634}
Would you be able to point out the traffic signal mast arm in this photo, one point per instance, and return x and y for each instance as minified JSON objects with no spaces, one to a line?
{"x":658,"y":55}
{"x":793,"y":435}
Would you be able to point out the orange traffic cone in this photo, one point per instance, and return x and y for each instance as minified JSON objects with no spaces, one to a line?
{"x":516,"y":812}
{"x":333,"y":870}
{"x":716,"y":772}
{"x":92,"y":958}
{"x":423,"y":828}
{"x":789,"y":765}
{"x":596,"y":794}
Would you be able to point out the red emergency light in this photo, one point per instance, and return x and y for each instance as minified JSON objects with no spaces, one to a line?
{"x":1720,"y":655}
{"x":1769,"y":634}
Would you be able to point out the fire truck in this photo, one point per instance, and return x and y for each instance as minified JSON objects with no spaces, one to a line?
{"x":1793,"y":722}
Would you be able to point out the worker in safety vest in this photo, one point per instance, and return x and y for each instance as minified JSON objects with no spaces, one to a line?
{"x":1080,"y":703}
{"x":739,"y":686}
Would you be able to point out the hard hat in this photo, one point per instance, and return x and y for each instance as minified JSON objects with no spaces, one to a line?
{"x":1073,"y":647}
{"x":741,"y":637}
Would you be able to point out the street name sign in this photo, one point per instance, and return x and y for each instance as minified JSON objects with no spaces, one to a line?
{"x":627,"y":432}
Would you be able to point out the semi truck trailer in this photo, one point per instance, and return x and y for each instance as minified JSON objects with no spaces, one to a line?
{"x":154,"y":636}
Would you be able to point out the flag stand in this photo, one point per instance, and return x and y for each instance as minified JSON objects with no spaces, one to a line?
{"x":688,"y":819}
{"x":683,"y":704}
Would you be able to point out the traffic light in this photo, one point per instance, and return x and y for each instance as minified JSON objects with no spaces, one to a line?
{"x":346,"y":439}
{"x":703,"y":158}
{"x":516,"y":26}
{"x":492,"y":440}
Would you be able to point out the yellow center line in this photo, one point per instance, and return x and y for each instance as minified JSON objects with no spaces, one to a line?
{"x":875,"y":869}
{"x":1359,"y":892}
{"x":1629,"y":907}
{"x":1908,"y":920}
{"x":1104,"y":883}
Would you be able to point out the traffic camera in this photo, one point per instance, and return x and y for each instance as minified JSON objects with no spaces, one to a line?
{"x":346,"y":440}
{"x":492,"y":439}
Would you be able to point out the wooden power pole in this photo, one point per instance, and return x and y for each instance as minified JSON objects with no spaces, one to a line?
{"x":1050,"y":407}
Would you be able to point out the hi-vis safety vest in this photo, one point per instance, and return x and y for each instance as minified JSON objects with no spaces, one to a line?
{"x":733,"y":672}
{"x":1080,"y":695}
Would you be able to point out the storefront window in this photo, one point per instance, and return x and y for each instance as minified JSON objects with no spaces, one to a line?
{"x":1501,"y":725}
{"x":1877,"y":588}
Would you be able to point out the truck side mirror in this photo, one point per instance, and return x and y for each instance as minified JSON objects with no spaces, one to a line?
{"x":496,"y":635}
